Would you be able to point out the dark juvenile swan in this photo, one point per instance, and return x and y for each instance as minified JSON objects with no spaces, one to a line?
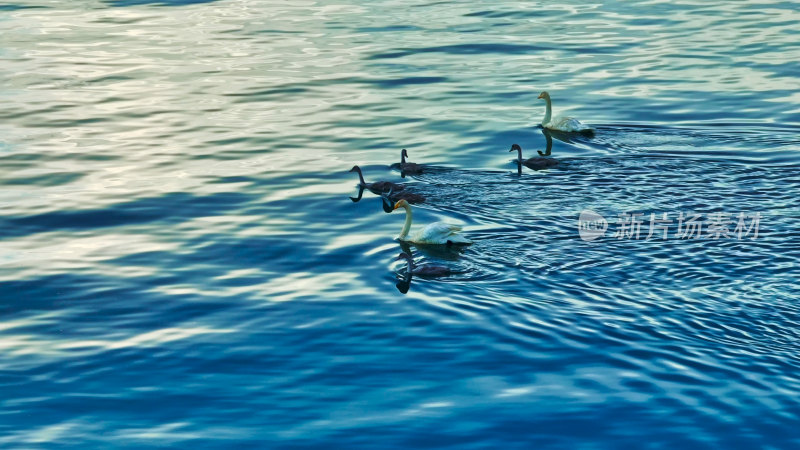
{"x":390,"y":198}
{"x":410,"y":197}
{"x":537,"y":163}
{"x":377,"y":187}
{"x":422,"y":271}
{"x":408,"y":167}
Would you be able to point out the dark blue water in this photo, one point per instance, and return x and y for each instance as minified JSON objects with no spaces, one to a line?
{"x":182,"y":265}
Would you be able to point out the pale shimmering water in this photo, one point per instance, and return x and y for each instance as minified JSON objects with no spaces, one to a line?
{"x":181,"y":264}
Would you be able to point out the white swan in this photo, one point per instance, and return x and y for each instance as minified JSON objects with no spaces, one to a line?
{"x":567,"y":124}
{"x":435,"y":233}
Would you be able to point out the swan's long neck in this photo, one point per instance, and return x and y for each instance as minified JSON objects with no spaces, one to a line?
{"x":360,"y":194}
{"x":407,"y":225}
{"x":403,"y":157}
{"x":548,"y":112}
{"x":549,"y":148}
{"x":360,"y":176}
{"x":519,"y":151}
{"x":410,"y":268}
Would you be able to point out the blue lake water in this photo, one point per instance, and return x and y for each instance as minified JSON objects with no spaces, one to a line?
{"x":181,"y":263}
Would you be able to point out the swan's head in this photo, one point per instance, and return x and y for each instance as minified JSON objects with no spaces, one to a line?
{"x":404,"y":153}
{"x":515,"y":148}
{"x":545,"y":95}
{"x":387,"y":204}
{"x":355,"y":169}
{"x":403,"y":255}
{"x":403,"y":286}
{"x":400,"y":204}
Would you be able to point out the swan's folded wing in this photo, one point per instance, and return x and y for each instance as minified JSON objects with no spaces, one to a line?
{"x":568,"y":124}
{"x":440,"y":233}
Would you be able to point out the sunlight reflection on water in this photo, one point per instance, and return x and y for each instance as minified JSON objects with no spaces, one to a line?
{"x":181,"y":263}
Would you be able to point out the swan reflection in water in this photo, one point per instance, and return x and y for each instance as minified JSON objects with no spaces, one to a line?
{"x":388,"y":199}
{"x":443,"y":252}
{"x":360,"y":194}
{"x":385,"y":200}
{"x":548,"y":136}
{"x":563,"y":136}
{"x":403,"y":285}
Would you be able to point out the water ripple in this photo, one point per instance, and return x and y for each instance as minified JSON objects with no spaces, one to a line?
{"x":182,"y":263}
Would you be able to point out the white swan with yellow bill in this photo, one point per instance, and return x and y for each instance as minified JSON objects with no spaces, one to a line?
{"x":440,"y":233}
{"x":561,"y":123}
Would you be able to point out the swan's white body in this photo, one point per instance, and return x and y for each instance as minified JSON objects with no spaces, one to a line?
{"x":435,"y":233}
{"x":561,"y":123}
{"x":568,"y":124}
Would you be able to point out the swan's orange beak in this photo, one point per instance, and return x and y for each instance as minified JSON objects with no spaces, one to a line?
{"x":396,"y":205}
{"x":540,"y":96}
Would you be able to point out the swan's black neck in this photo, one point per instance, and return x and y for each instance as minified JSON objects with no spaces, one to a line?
{"x":410,"y":262}
{"x":360,"y":176}
{"x":403,"y":156}
{"x":403,"y":286}
{"x":360,"y":194}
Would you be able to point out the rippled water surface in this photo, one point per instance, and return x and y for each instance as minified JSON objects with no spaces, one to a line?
{"x":182,"y":263}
